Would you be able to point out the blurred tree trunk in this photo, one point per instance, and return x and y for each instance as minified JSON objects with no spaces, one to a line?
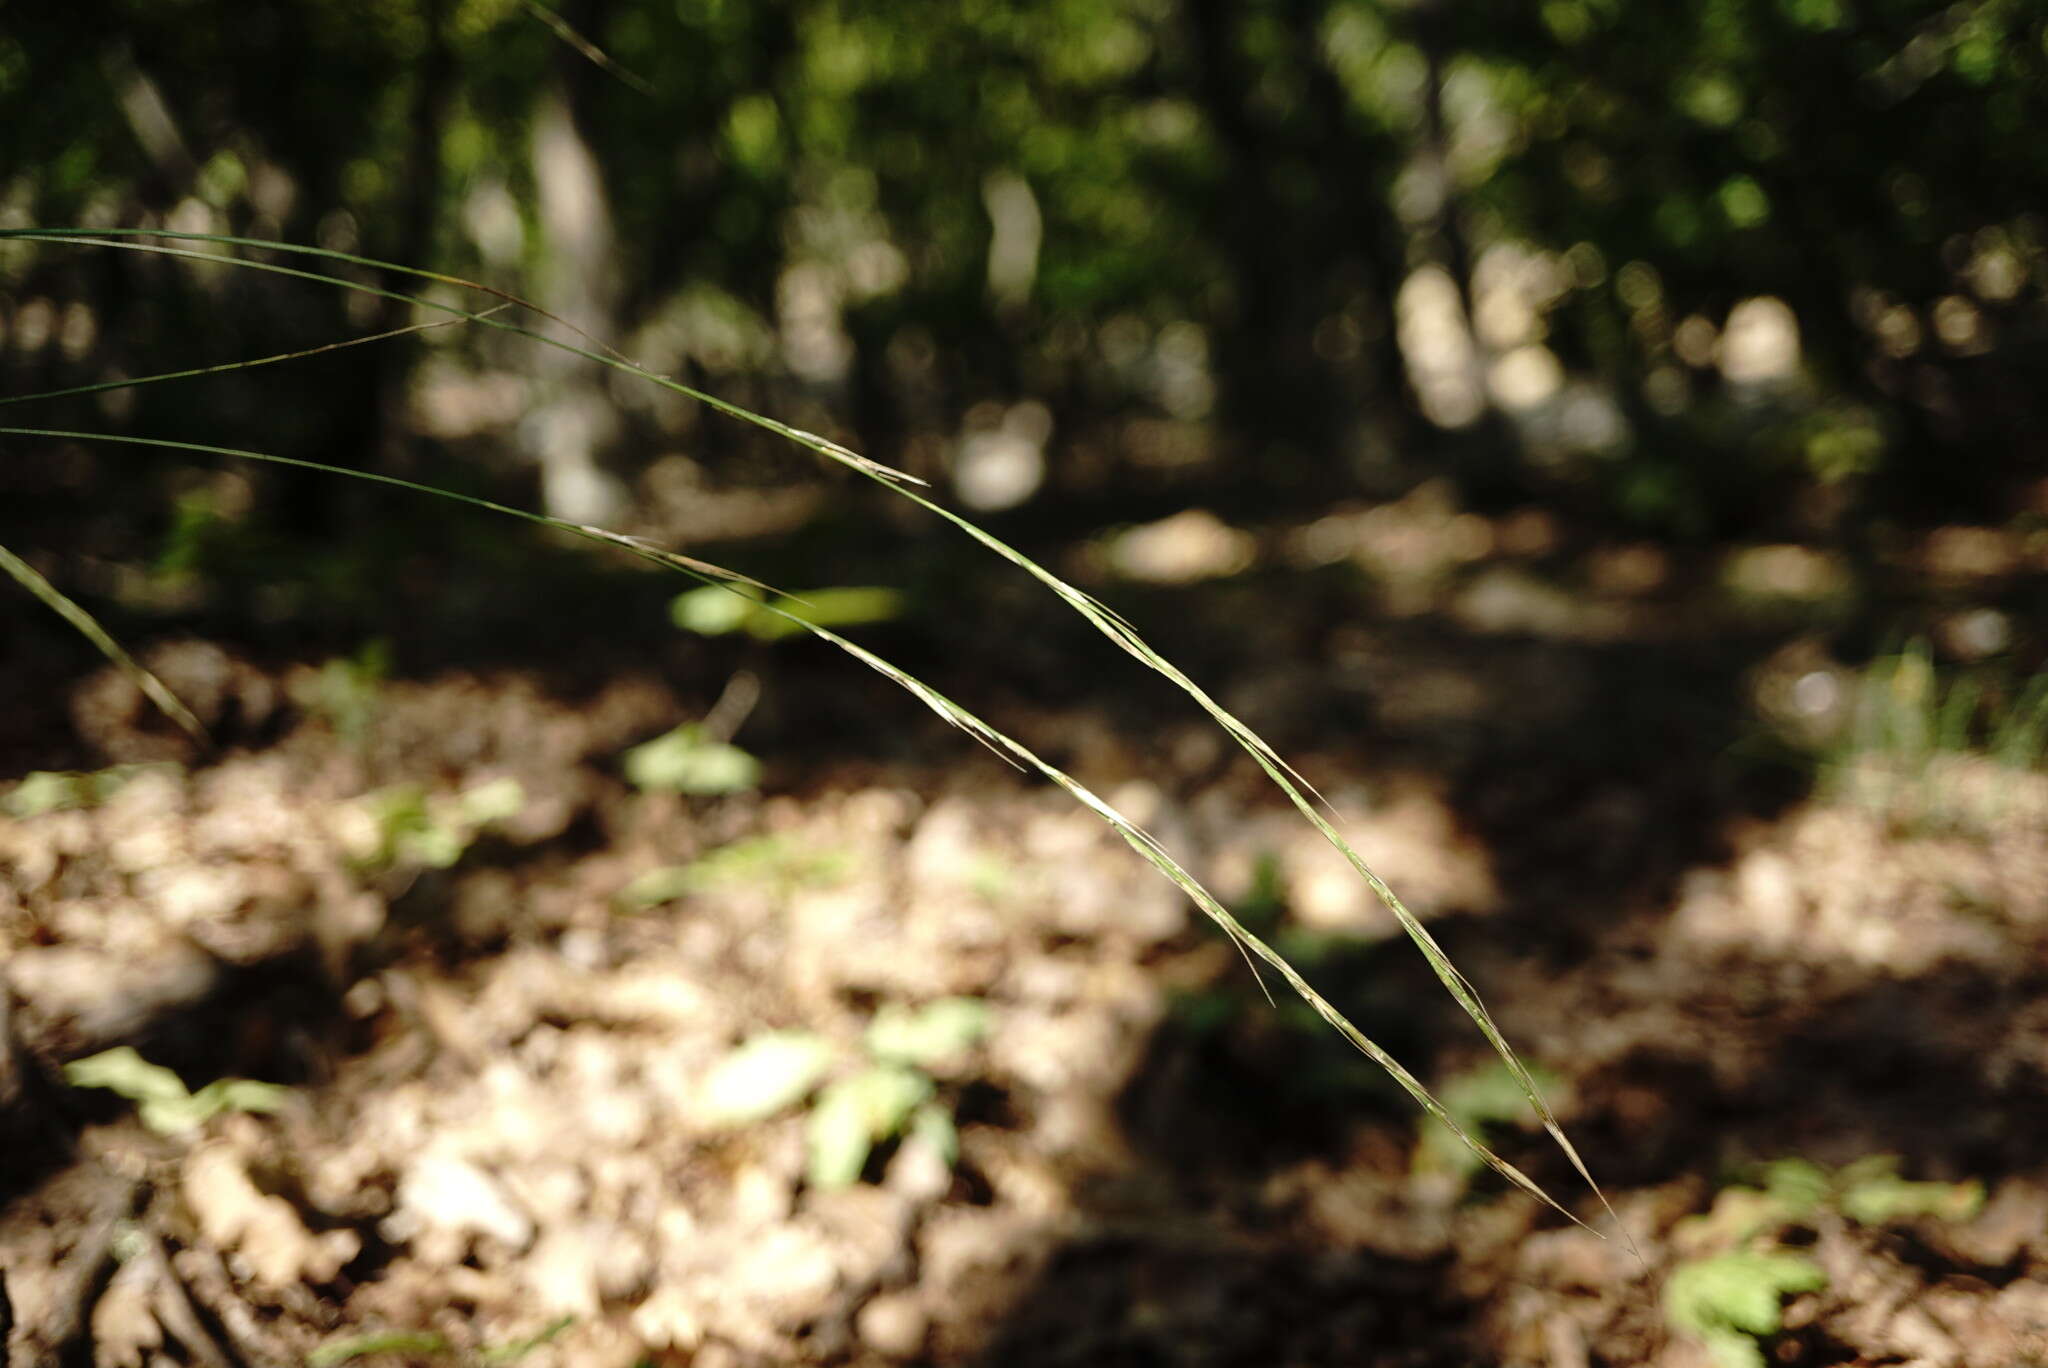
{"x":1306,"y":362}
{"x":567,"y":432}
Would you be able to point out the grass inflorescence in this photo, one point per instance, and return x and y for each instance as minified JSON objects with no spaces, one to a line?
{"x":220,"y":249}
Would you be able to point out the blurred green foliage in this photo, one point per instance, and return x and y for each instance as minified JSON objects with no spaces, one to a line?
{"x":410,"y":828}
{"x":686,"y":760}
{"x":888,"y":1091}
{"x":1480,"y":1100}
{"x":887,"y":215}
{"x":163,"y":1102}
{"x":1937,"y":747}
{"x":777,"y":863}
{"x":42,"y":791}
{"x":1727,"y":1292}
{"x":347,"y":689}
{"x":1731,"y":1300}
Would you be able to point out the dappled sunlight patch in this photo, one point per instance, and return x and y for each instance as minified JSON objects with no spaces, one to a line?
{"x":1964,"y":553}
{"x":1759,"y":344}
{"x":1411,"y":835}
{"x":1786,"y":574}
{"x":1411,"y":546}
{"x":1504,"y":600}
{"x":1186,"y":548}
{"x":1909,"y":907}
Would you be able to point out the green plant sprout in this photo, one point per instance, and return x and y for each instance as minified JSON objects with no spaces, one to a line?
{"x":888,"y":1090}
{"x":1730,"y":1301}
{"x":42,"y":791}
{"x":1481,"y":1098}
{"x":416,"y":831}
{"x":1119,"y":631}
{"x":690,"y":760}
{"x":162,"y":1101}
{"x":345,"y":691}
{"x":1727,"y":1295}
{"x":776,"y":862}
{"x":1910,"y":721}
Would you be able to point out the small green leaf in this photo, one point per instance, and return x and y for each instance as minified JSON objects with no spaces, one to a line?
{"x":657,"y":886}
{"x":930,"y":1035}
{"x":121,"y":1070}
{"x":687,"y":761}
{"x":163,"y":1104}
{"x":1874,"y":1194}
{"x":519,"y":1349}
{"x":849,"y":607}
{"x":1487,"y":1096}
{"x":1797,"y":1187}
{"x":774,"y":860}
{"x":1726,"y":1299}
{"x":839,"y":1140}
{"x":855,"y":1113}
{"x":242,"y":1095}
{"x":42,"y":791}
{"x":47,"y":791}
{"x":497,"y":801}
{"x":933,"y":1125}
{"x":761,"y":1077}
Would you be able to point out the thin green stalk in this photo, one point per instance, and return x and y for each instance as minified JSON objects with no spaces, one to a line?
{"x":152,"y":687}
{"x":225,"y":366}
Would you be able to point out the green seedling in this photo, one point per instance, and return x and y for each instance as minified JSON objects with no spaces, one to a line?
{"x":161,"y":1098}
{"x":1911,"y":723}
{"x":664,"y":883}
{"x":1730,"y":1301}
{"x":418,"y":831}
{"x":1870,"y":1192}
{"x":856,"y":1113}
{"x":1481,"y":1100}
{"x":345,"y":693}
{"x":992,"y":878}
{"x":1728,"y":1295}
{"x":775,"y":862}
{"x":687,"y":760}
{"x":196,"y":528}
{"x":928,"y":1037}
{"x":43,"y":791}
{"x":888,"y":1093}
{"x":760,"y":1078}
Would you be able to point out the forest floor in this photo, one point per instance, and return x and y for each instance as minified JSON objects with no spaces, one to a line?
{"x":515,"y":1126}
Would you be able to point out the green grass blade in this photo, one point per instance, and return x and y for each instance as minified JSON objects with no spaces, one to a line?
{"x":152,"y":688}
{"x":583,"y":47}
{"x":703,"y":570}
{"x":120,"y":239}
{"x":250,"y":364}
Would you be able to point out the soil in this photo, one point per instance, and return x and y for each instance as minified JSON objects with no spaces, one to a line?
{"x":496,"y":1139}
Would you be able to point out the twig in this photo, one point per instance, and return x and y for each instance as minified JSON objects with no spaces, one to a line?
{"x":82,"y":1275}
